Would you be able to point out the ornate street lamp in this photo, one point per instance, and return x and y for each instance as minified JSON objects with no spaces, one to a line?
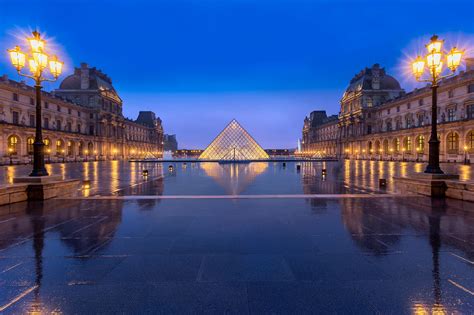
{"x":435,"y":66}
{"x":37,"y":63}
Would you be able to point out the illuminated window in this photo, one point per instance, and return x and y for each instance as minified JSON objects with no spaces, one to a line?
{"x":29,"y":145}
{"x":420,"y":143}
{"x":453,"y":143}
{"x":451,"y":114}
{"x":13,"y":144}
{"x":408,"y":144}
{"x":396,"y":145}
{"x":59,"y":147}
{"x":470,"y":140}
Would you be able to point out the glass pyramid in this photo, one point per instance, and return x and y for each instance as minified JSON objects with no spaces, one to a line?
{"x":234,"y":143}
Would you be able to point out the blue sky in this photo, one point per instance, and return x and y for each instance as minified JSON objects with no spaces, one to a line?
{"x":198,"y":64}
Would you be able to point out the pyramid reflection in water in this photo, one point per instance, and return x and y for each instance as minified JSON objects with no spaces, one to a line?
{"x":234,"y":143}
{"x":235,"y":177}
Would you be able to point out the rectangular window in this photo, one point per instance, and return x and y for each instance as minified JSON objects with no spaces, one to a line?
{"x":420,"y":102}
{"x":388,"y":111}
{"x":46,"y":105}
{"x":470,"y":111}
{"x":450,"y":94}
{"x":91,"y":115}
{"x":32,"y":120}
{"x":78,"y":114}
{"x":15,"y":97}
{"x":32,"y":101}
{"x":69,"y":111}
{"x":79,"y":128}
{"x":69,"y":127}
{"x":91,"y":130}
{"x":451,"y":114}
{"x":58,"y":124}
{"x":470,"y":88}
{"x":408,"y":106}
{"x":46,"y":123}
{"x":398,"y":109}
{"x":15,"y":118}
{"x":59,"y":108}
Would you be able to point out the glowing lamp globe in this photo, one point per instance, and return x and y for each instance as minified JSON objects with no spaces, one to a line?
{"x":453,"y":59}
{"x":41,"y":59}
{"x":418,"y":67}
{"x":33,"y":66}
{"x":435,"y":45}
{"x":36,"y":43}
{"x":17,"y":57}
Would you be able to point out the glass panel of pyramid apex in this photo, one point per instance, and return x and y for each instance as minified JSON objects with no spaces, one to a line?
{"x":234,"y":143}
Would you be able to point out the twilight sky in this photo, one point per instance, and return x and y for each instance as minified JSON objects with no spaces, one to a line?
{"x":200,"y":63}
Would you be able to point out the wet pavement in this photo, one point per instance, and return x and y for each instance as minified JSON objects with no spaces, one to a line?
{"x":366,"y":251}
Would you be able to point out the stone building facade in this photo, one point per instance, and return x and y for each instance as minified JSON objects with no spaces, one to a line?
{"x":82,"y":120}
{"x":379,"y":120}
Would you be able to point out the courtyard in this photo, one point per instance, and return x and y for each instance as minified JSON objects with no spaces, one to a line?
{"x":237,"y":238}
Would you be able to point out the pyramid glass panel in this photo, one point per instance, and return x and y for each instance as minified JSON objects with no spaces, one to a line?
{"x":234,"y":143}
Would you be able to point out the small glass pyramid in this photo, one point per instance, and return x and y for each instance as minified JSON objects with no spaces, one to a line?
{"x":234,"y":143}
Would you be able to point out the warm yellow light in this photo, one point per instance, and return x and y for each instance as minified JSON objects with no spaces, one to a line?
{"x":86,"y":151}
{"x":95,"y":151}
{"x":453,"y":59}
{"x":33,"y":66}
{"x":437,"y":69}
{"x":36,"y":43}
{"x":363,"y":151}
{"x":62,"y":151}
{"x":435,"y":45}
{"x":391,"y":150}
{"x":10,"y":149}
{"x":418,"y":67}
{"x":18,"y":58}
{"x":49,"y":150}
{"x":433,"y":59}
{"x":347,"y":150}
{"x":41,"y":59}
{"x":465,"y":148}
{"x":55,"y":66}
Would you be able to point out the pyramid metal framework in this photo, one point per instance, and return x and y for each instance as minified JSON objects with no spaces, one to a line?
{"x":234,"y":143}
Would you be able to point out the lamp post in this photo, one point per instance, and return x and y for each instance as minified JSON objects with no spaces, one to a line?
{"x":434,"y":62}
{"x":37,"y":64}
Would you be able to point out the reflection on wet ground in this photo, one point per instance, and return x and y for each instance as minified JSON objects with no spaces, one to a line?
{"x":124,"y":178}
{"x":358,"y":253}
{"x":365,"y":255}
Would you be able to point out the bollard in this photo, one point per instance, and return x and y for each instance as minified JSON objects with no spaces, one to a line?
{"x":298,"y":168}
{"x":324,"y":172}
{"x":170,"y":168}
{"x":145,"y":173}
{"x":284,"y":164}
{"x":382,"y":182}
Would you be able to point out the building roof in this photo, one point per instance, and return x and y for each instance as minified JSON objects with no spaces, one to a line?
{"x":364,"y":80}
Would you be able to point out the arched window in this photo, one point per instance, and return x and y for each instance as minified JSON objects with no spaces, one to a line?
{"x":470,"y":141}
{"x":385,"y":146}
{"x":13,"y":144}
{"x":407,"y":145}
{"x":60,"y":147}
{"x":90,"y":148}
{"x":453,"y":143}
{"x":29,"y":145}
{"x":70,"y":148}
{"x":47,"y":146}
{"x":396,"y":145}
{"x":370,"y":148}
{"x":79,"y":148}
{"x":420,"y":144}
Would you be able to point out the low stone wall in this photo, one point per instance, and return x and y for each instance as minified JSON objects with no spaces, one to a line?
{"x":37,"y":191}
{"x":13,"y":193}
{"x":449,"y":188}
{"x":460,"y":190}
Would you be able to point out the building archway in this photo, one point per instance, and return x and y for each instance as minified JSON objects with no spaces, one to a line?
{"x":470,"y":141}
{"x":29,"y":145}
